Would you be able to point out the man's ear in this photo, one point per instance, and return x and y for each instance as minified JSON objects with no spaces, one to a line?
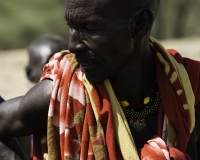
{"x":141,"y":22}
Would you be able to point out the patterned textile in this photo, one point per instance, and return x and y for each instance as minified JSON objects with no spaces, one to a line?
{"x":158,"y":146}
{"x":86,"y":121}
{"x":178,"y":103}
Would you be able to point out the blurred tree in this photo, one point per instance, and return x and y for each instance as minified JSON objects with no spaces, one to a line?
{"x":183,"y":11}
{"x":22,"y":21}
{"x":177,"y":19}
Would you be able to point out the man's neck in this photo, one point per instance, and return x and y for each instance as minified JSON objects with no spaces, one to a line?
{"x":134,"y":81}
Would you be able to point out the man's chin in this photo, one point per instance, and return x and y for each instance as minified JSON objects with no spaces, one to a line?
{"x":95,"y":79}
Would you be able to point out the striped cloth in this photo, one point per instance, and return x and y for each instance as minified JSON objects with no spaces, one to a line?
{"x":85,"y":121}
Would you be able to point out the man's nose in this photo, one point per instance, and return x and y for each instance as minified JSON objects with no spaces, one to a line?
{"x":75,"y":41}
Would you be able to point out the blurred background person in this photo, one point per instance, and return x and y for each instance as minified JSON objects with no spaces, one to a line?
{"x":39,"y":52}
{"x":20,"y":26}
{"x":22,"y":23}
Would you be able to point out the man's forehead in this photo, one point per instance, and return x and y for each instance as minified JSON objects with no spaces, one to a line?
{"x":97,"y":6}
{"x":72,"y":4}
{"x":79,"y":10}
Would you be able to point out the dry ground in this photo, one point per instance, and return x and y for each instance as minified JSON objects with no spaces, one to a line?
{"x":13,"y":81}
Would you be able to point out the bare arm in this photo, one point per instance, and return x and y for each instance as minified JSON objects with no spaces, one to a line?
{"x":26,"y":114}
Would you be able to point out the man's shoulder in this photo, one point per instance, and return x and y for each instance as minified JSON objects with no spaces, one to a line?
{"x":193,"y":70}
{"x":179,"y":58}
{"x":62,"y":54}
{"x":58,"y":64}
{"x":187,"y":62}
{"x":61,"y":58}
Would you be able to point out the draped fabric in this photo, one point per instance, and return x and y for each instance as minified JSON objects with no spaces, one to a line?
{"x":177,"y":98}
{"x":85,"y":121}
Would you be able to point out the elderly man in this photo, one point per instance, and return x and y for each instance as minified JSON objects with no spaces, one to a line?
{"x":116,"y":94}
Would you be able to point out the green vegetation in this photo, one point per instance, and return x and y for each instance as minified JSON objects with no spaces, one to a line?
{"x":22,"y":21}
{"x":177,"y":19}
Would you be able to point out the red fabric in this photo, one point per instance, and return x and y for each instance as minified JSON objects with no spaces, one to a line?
{"x":157,"y":149}
{"x":171,"y":102}
{"x":80,"y":135}
{"x":193,"y":70}
{"x":106,"y":118}
{"x":154,"y":151}
{"x":177,"y":116}
{"x":178,"y":155}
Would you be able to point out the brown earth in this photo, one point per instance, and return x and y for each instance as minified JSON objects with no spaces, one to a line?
{"x":13,"y":80}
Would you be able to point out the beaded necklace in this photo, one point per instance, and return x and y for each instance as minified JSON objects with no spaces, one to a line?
{"x":138,"y":112}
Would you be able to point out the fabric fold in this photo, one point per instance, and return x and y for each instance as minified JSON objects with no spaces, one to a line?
{"x":87,"y":122}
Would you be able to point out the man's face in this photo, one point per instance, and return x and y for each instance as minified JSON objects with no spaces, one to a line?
{"x":100,"y":38}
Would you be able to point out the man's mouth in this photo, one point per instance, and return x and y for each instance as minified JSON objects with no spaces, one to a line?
{"x":86,"y":64}
{"x":86,"y":67}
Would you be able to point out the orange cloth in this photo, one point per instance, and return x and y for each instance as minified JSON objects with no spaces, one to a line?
{"x":156,"y":148}
{"x":81,"y":122}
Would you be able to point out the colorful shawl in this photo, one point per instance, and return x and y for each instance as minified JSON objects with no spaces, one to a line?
{"x":85,"y":121}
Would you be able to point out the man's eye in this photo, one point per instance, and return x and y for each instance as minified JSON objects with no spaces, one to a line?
{"x":91,"y":28}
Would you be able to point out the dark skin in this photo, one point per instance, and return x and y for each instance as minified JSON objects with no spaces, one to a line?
{"x":39,"y":52}
{"x":108,"y":42}
{"x":131,"y":54}
{"x":30,"y":114}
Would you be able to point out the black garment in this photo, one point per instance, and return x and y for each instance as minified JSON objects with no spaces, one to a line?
{"x":141,"y":137}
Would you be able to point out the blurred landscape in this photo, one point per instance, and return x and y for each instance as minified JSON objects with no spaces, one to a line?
{"x":23,"y":21}
{"x":176,"y":26}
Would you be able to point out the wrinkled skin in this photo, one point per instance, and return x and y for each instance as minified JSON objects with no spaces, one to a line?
{"x":109,"y":42}
{"x":102,"y":42}
{"x":96,"y":43}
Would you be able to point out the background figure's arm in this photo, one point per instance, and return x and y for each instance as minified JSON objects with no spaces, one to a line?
{"x":26,"y":114}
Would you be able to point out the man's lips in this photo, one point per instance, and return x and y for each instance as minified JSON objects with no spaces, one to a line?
{"x":88,"y":61}
{"x":86,"y":64}
{"x":86,"y":67}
